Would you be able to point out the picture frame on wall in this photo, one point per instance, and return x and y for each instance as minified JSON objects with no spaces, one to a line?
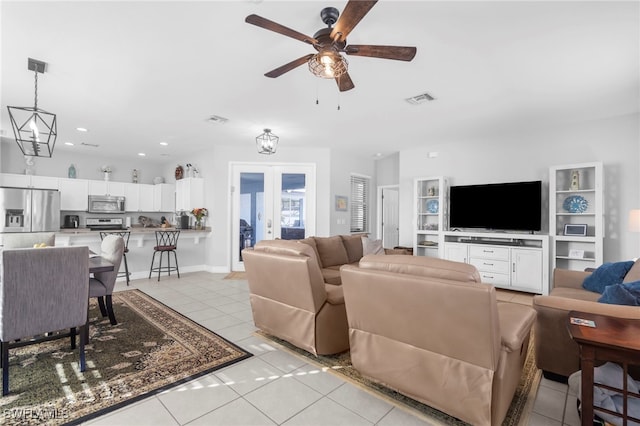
{"x":576,"y":254}
{"x":342,"y":203}
{"x":579,"y":230}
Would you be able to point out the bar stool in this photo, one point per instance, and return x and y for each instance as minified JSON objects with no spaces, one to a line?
{"x":166,"y":242}
{"x":125,"y":236}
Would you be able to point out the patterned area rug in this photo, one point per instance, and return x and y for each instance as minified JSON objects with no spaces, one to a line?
{"x":150,"y":349}
{"x":340,"y":364}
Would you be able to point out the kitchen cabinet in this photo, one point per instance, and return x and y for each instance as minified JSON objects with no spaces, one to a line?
{"x":28,"y":181}
{"x":102,"y":187}
{"x":74,"y":194}
{"x":164,"y":197}
{"x":138,"y":197}
{"x":189,"y":194}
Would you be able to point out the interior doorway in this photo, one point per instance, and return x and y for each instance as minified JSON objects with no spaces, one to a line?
{"x":270,"y":201}
{"x":389,"y":215}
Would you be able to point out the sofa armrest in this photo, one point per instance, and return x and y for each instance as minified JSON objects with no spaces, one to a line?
{"x":568,"y":278}
{"x":335,"y":296}
{"x":555,"y":303}
{"x":515,"y":324}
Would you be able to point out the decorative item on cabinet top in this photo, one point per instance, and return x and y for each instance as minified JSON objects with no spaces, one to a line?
{"x":179,"y":174}
{"x":575,"y":204}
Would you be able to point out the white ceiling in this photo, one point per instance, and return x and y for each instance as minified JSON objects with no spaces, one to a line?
{"x":138,"y":73}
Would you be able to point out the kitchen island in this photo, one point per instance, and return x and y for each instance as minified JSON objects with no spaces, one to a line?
{"x":191,"y":247}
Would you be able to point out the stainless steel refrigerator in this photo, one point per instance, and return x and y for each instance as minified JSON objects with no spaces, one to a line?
{"x":29,"y":210}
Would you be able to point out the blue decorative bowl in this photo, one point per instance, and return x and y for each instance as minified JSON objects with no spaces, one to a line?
{"x":432,"y":206}
{"x":575,"y":204}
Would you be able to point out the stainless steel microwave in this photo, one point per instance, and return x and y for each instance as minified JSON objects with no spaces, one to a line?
{"x":106,"y":204}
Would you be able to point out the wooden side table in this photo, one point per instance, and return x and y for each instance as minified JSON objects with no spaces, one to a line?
{"x":612,"y":339}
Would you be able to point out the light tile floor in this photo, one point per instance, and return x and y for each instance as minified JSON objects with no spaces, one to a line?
{"x":274,"y":387}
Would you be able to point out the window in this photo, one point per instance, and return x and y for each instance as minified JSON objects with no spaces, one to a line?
{"x":359,"y":203}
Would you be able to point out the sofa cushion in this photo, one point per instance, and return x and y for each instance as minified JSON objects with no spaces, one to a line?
{"x":331,"y":251}
{"x":353,"y":245}
{"x":634,"y":273}
{"x":370,"y":246}
{"x":622,"y":294}
{"x":311,"y":241}
{"x":608,"y":273}
{"x":332,"y":275}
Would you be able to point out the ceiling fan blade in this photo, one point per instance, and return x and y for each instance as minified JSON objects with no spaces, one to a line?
{"x":400,"y":53}
{"x":280,"y":29}
{"x":353,"y":12}
{"x":288,"y":67}
{"x":344,"y":82}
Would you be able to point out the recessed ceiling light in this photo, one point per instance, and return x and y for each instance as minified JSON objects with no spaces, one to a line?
{"x":141,"y":154}
{"x":164,"y":143}
{"x":81,"y":129}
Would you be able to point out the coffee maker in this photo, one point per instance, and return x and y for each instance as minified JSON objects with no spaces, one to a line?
{"x":71,"y":221}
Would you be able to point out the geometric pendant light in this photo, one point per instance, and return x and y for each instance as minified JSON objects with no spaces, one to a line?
{"x":35,"y":129}
{"x":267,"y":143}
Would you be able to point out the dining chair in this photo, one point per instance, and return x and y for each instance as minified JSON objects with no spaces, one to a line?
{"x":102,"y":283}
{"x":43,"y":293}
{"x":166,"y":242}
{"x":125,"y":236}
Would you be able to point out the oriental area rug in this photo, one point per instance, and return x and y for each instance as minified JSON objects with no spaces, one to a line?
{"x":152,"y":348}
{"x":340,"y":364}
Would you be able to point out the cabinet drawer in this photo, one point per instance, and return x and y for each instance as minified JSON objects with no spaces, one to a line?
{"x":490,"y":265}
{"x":491,"y":278}
{"x":489,"y":252}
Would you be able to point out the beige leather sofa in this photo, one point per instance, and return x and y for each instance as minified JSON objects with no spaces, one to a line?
{"x":430,"y":330}
{"x":333,"y":252}
{"x":556,"y":353}
{"x":290,"y":299}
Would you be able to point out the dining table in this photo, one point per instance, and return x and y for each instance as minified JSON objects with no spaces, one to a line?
{"x":98,"y":263}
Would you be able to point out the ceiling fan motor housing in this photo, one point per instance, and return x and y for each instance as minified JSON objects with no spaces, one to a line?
{"x":329,"y":15}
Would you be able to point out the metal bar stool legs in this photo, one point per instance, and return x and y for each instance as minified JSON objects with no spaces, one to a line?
{"x":166,"y":242}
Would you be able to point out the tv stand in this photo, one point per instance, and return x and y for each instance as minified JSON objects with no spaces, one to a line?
{"x":511,"y":261}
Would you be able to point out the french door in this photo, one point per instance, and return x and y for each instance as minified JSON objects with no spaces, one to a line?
{"x":270,"y":201}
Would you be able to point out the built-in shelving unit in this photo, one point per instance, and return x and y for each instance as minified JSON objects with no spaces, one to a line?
{"x":430,"y":215}
{"x":576,"y":215}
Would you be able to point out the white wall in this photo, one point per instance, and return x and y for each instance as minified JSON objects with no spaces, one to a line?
{"x":615,"y":142}
{"x":388,"y":170}
{"x":87,"y":164}
{"x":343,"y":164}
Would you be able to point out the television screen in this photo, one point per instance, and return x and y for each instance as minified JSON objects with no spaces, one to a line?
{"x":514,"y":206}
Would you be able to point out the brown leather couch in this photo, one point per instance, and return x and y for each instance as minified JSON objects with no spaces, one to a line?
{"x":556,"y":353}
{"x":429,"y":329}
{"x":290,"y":299}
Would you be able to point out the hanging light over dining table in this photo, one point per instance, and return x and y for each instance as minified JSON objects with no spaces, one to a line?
{"x":34,"y":129}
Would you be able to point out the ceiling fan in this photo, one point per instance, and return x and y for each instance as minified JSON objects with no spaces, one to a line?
{"x":330,"y":42}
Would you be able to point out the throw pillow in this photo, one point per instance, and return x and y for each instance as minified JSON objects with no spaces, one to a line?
{"x":370,"y":246}
{"x":622,"y":294}
{"x":607,"y":274}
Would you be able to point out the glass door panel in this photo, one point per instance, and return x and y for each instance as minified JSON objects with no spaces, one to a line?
{"x":292,"y":210}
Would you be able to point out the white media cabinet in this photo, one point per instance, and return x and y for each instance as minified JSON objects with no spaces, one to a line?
{"x":511,"y":261}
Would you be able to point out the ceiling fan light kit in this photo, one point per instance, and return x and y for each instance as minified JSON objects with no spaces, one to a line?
{"x":330,"y":42}
{"x":267,"y":143}
{"x":34,"y":129}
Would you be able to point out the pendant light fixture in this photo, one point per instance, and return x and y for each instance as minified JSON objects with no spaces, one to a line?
{"x":267,"y":143}
{"x":35,"y":129}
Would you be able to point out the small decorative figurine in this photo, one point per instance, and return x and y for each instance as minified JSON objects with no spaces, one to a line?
{"x":575,"y":180}
{"x":134,"y":176}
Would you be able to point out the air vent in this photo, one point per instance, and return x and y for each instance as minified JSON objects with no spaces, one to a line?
{"x":217,"y":119}
{"x":92,"y":145}
{"x":420,"y":99}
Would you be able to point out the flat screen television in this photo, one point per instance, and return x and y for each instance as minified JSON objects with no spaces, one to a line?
{"x":512,"y":206}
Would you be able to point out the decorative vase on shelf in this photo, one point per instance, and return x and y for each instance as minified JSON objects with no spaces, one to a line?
{"x":575,"y":180}
{"x":107,"y":176}
{"x":199,"y":225}
{"x":72,"y":171}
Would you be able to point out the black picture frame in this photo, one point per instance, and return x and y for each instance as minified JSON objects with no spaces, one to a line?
{"x":575,"y":230}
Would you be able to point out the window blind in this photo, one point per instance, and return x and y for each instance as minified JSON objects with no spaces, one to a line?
{"x":359,"y":203}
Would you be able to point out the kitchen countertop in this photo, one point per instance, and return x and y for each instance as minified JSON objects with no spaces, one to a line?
{"x":133,"y":230}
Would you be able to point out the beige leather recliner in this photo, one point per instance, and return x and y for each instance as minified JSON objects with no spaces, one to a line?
{"x":430,"y":330}
{"x":290,"y":299}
